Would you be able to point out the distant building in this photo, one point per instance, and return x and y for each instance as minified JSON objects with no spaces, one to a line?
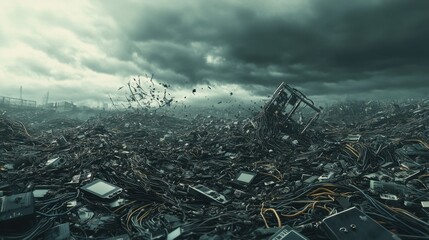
{"x":64,"y":106}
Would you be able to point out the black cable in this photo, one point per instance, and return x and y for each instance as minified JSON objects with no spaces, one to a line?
{"x":379,"y":207}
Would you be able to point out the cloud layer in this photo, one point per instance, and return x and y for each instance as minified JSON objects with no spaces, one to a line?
{"x":82,"y":50}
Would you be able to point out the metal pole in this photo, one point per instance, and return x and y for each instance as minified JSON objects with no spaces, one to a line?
{"x":20,"y":94}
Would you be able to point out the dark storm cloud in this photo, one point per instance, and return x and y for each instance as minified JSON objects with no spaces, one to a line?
{"x":109,"y":66}
{"x":327,"y":46}
{"x":178,"y":58}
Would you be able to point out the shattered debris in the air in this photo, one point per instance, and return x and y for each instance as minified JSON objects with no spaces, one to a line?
{"x":358,"y":172}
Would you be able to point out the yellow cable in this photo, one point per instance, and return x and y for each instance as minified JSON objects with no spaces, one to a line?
{"x":130,"y":213}
{"x":299,"y":212}
{"x":321,"y":188}
{"x":345,"y":194}
{"x":351,"y":149}
{"x":124,"y":206}
{"x":275,"y":213}
{"x":320,"y":194}
{"x":280,"y":173}
{"x":424,"y":175}
{"x":424,"y":143}
{"x":263,"y":217}
{"x":144,"y":215}
{"x":402,"y":211}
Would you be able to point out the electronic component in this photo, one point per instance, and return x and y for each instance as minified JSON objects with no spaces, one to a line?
{"x":85,"y":214}
{"x":202,"y":191}
{"x":121,"y":237}
{"x":403,"y":176}
{"x":175,"y":233}
{"x":16,"y":207}
{"x":287,"y":233}
{"x":244,"y":178}
{"x":72,"y":203}
{"x":352,"y":138}
{"x":414,"y":150}
{"x":62,"y":141}
{"x":55,"y":162}
{"x":385,"y":187}
{"x":326,"y":176}
{"x":117,"y":203}
{"x":425,"y":204}
{"x":75,"y":179}
{"x":311,"y":179}
{"x":59,"y":232}
{"x":378,"y":176}
{"x":353,"y":224}
{"x":40,"y":193}
{"x":386,"y":196}
{"x":102,"y":189}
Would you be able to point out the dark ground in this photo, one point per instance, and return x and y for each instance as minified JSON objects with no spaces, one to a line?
{"x":154,"y":158}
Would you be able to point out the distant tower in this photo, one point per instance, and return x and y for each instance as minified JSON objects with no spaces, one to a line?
{"x":47,"y":98}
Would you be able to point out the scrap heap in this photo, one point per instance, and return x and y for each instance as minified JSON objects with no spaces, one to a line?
{"x":139,"y":175}
{"x":281,"y":109}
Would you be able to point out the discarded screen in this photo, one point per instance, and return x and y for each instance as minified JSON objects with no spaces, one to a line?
{"x":102,"y":189}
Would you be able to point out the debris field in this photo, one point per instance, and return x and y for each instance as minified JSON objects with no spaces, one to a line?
{"x":355,"y":170}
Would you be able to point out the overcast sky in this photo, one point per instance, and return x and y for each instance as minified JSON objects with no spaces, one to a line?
{"x":83,"y":50}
